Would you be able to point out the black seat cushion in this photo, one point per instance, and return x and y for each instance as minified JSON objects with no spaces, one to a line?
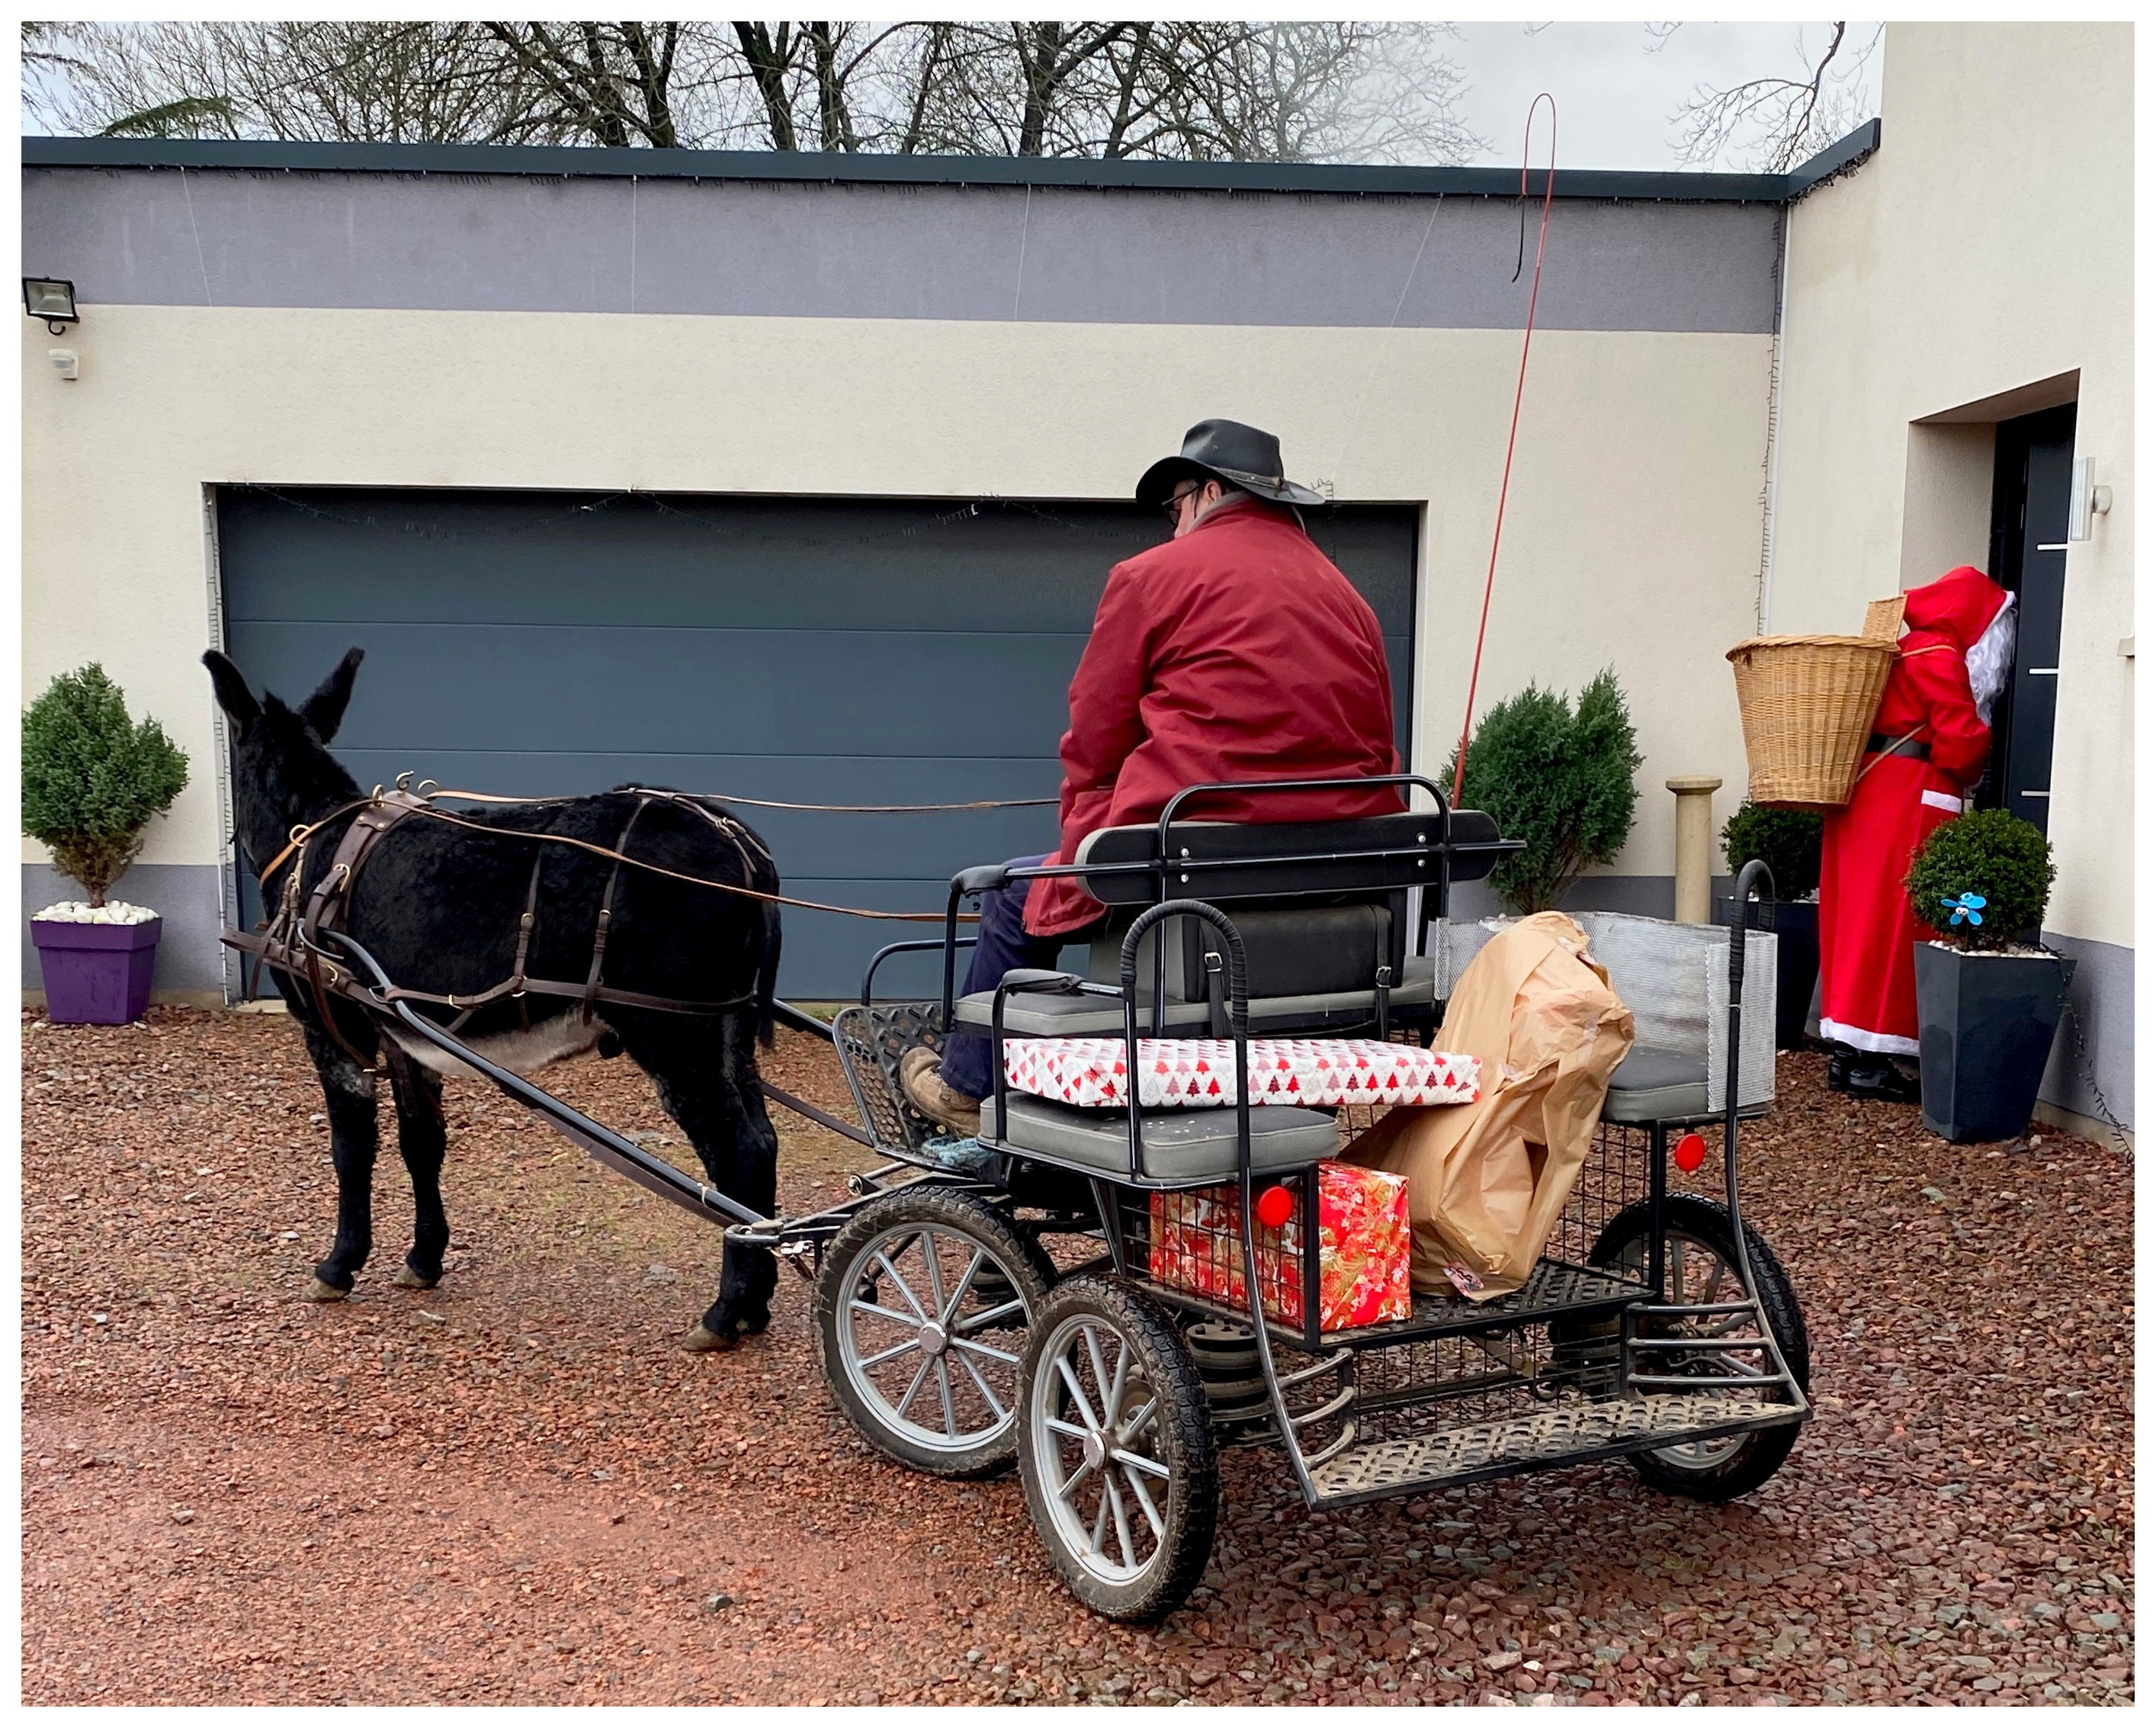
{"x":1180,"y":1145}
{"x":1653,"y":1085}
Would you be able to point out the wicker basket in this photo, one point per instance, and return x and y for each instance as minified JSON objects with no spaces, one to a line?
{"x":1807,"y":703}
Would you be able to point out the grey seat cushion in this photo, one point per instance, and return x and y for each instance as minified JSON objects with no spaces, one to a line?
{"x":1180,"y":1145}
{"x":1653,"y":1085}
{"x":1035,"y":1015}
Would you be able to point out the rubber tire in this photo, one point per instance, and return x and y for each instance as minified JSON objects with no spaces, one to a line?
{"x":1192,"y":1510}
{"x":1765,"y":1450}
{"x":959,"y":1213}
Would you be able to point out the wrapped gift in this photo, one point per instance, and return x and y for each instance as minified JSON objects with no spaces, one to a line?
{"x":1192,"y":1073}
{"x":1363,"y":1248}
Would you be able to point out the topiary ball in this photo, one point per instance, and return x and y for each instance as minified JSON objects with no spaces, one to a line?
{"x":1786,"y":841}
{"x":1983,"y":879}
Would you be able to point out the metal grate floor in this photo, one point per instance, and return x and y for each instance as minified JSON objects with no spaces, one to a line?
{"x":1570,"y":1434}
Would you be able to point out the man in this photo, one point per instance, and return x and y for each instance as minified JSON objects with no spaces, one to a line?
{"x":1235,"y":651}
{"x":1930,"y":742}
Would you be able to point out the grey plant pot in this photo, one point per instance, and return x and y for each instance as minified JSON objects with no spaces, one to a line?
{"x":1985,"y":1023}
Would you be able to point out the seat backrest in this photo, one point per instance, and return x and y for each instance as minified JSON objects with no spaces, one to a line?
{"x":1321,"y":907}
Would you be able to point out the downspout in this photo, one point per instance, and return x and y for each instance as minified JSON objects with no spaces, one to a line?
{"x":1777,"y":355}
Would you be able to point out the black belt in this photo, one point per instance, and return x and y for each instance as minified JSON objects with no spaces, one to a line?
{"x":1915,"y":748}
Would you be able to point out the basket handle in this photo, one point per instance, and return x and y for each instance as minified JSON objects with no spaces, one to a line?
{"x":1882,"y":619}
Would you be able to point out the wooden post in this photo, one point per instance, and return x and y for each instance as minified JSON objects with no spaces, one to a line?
{"x":1694,"y":861}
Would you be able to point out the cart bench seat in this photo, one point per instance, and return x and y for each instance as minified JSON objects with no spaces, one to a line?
{"x":1653,"y":1085}
{"x":1179,"y":1145}
{"x":1053,"y":1016}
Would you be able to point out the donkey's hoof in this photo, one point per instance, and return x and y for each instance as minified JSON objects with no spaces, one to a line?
{"x":702,"y":1340}
{"x":317,"y":1291}
{"x":407,"y":1279}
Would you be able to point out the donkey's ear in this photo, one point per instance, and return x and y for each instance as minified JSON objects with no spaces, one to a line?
{"x":324,"y":711}
{"x":233,"y":695}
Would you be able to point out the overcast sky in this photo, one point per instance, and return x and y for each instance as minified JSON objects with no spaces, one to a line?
{"x":1616,"y":90}
{"x":1615,"y":98}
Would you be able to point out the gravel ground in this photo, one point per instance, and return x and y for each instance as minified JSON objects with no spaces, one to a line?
{"x":515,"y":1487}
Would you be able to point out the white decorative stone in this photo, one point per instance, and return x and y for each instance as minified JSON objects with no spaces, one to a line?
{"x":81,"y":912}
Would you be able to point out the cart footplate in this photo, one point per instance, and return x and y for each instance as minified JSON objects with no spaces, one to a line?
{"x":1571,"y":1434}
{"x":870,"y":1042}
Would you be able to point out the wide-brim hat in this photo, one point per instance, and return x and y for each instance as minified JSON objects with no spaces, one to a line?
{"x":1230,"y":451}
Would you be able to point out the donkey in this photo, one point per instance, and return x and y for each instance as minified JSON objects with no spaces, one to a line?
{"x":440,"y":905}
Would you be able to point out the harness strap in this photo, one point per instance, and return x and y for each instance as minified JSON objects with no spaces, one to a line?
{"x":606,"y":909}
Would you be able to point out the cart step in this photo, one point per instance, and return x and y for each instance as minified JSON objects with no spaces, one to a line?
{"x":1573,"y":1434}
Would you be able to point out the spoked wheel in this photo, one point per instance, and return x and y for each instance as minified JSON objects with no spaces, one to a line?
{"x":1699,"y":1265}
{"x":921,"y":1309}
{"x":1116,"y":1449}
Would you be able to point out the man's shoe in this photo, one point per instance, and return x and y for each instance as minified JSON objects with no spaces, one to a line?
{"x":920,"y":1077}
{"x":1840,"y":1061}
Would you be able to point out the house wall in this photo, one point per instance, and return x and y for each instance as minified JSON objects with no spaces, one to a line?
{"x":388,"y":330}
{"x":1979,"y":267}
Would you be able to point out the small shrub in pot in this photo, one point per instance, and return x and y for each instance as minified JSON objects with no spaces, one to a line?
{"x":1788,"y":841}
{"x":1558,"y":776}
{"x":1988,"y":1005}
{"x":93,"y":780}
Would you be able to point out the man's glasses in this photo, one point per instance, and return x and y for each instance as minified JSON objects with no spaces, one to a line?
{"x":1173,"y":507}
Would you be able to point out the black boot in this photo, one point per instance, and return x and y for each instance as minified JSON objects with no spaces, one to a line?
{"x":1840,"y":1059}
{"x":1882,"y":1080}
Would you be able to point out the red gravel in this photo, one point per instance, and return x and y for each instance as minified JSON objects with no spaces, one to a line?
{"x":514,"y":1488}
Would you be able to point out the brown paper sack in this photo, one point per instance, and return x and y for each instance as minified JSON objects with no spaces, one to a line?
{"x":1486,"y":1180}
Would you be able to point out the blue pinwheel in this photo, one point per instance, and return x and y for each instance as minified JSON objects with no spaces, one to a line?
{"x":1965,"y":906}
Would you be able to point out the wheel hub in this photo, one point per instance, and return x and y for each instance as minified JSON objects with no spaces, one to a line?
{"x":1095,"y":1450}
{"x":933,"y":1340}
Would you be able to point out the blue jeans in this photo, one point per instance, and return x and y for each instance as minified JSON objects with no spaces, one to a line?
{"x":1001,"y":945}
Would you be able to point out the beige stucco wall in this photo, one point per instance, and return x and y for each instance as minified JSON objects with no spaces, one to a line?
{"x":1633,"y":537}
{"x":1989,"y":246}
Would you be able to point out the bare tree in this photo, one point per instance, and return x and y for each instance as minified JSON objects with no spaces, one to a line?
{"x":1207,"y":90}
{"x":1772,"y":123}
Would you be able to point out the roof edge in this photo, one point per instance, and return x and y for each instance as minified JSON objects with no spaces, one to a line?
{"x":848,"y":168}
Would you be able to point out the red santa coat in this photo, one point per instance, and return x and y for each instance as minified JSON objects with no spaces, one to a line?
{"x":1867,"y":928}
{"x":1237,"y":652}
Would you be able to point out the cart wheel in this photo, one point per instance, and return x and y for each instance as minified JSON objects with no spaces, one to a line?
{"x":921,"y":1309}
{"x":1699,"y":1256}
{"x":1116,"y":1449}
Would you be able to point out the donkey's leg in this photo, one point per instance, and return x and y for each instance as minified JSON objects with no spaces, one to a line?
{"x":705,"y":1078}
{"x":423,"y":1138}
{"x":348,"y":1094}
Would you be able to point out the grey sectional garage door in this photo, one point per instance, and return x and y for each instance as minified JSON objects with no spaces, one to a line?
{"x":866,"y":651}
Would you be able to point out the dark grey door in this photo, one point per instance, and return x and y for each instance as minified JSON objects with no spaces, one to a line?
{"x":2031,"y":488}
{"x":869,"y":651}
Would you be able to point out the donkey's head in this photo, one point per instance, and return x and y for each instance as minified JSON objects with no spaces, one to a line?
{"x":283,"y":773}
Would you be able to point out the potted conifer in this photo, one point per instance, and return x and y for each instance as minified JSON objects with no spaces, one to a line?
{"x":1989,"y":996}
{"x":92,"y":781}
{"x":1788,"y":841}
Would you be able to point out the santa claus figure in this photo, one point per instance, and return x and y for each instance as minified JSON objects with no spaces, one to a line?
{"x":1930,"y":743}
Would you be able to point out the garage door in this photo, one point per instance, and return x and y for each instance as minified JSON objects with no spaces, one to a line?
{"x":869,"y":651}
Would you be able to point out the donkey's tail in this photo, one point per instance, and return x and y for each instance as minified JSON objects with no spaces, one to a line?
{"x":766,"y":980}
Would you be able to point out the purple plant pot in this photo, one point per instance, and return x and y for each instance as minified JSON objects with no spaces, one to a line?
{"x":96,"y":975}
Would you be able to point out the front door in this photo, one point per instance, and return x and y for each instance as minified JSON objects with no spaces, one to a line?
{"x":2032,"y":480}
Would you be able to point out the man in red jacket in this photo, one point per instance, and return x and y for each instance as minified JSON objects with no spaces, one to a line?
{"x":1235,"y":651}
{"x":1929,"y":744}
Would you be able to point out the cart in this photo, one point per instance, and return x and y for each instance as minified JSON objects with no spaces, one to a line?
{"x":994,"y":1301}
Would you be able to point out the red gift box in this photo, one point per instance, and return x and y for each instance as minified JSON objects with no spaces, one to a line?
{"x":1363,"y":1248}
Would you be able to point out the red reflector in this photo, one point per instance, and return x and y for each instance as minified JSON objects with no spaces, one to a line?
{"x":1690,"y":1152}
{"x":1275,"y":1207}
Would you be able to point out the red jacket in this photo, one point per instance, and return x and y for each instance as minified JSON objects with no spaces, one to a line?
{"x":1238,"y":652}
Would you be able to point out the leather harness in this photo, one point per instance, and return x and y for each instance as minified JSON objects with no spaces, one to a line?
{"x":290,"y":939}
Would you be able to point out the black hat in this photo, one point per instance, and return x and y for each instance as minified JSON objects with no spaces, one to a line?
{"x":1230,"y":452}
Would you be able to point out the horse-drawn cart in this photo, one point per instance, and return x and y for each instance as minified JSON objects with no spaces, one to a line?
{"x":996,"y":1300}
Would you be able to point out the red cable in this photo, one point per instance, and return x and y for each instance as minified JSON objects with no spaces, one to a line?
{"x":1490,"y":581}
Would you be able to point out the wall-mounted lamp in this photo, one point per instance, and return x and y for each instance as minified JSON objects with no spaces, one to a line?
{"x":2086,"y":500}
{"x":52,"y":301}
